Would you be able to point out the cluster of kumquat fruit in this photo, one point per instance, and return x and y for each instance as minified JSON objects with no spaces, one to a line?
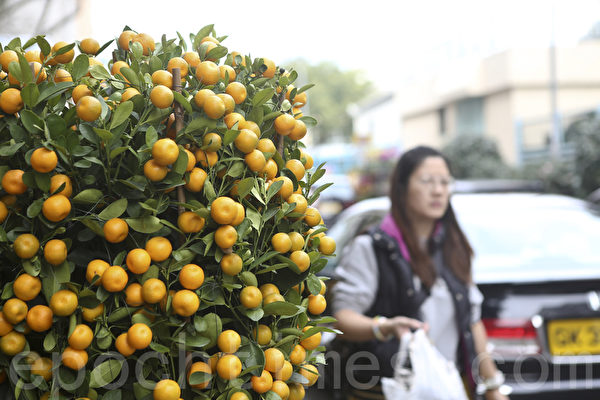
{"x":157,"y":239}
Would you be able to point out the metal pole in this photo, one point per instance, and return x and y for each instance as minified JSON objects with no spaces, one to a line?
{"x":555,"y":136}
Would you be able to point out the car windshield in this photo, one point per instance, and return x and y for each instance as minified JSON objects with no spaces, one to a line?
{"x":533,"y":242}
{"x":515,"y":237}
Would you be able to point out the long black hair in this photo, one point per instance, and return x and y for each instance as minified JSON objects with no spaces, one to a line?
{"x":456,"y":248}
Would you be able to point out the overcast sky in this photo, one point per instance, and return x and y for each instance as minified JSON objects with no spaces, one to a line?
{"x":376,"y":36}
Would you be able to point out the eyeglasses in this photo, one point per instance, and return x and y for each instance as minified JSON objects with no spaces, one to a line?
{"x":431,"y":181}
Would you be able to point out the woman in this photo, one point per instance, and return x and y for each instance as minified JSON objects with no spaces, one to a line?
{"x":413,"y":271}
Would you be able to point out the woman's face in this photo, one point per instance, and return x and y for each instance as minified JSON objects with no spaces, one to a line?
{"x":429,"y":189}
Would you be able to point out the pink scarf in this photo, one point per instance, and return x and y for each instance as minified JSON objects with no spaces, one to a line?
{"x":388,"y":225}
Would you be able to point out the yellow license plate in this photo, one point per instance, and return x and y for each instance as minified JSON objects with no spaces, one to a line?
{"x":574,"y":337}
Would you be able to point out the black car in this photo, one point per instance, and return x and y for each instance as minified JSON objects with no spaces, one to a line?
{"x":537,"y":262}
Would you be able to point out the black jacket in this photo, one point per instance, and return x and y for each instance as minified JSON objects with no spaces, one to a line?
{"x":396,"y":295}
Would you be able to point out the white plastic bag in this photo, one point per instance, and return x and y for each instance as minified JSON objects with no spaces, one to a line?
{"x":430,"y":376}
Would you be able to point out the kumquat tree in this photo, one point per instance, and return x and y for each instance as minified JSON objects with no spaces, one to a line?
{"x":157,"y":239}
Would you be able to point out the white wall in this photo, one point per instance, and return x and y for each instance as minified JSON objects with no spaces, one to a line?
{"x":379,"y":126}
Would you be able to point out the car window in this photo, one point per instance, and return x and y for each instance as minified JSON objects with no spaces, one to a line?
{"x":535,"y":239}
{"x":345,"y":231}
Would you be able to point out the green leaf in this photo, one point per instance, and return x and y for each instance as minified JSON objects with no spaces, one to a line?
{"x":209,"y":191}
{"x":181,"y":162}
{"x":146,"y":224}
{"x":253,"y":356}
{"x":257,"y":114}
{"x":118,"y":314}
{"x":118,"y":150}
{"x":271,"y":395}
{"x":136,"y":182}
{"x":35,"y":208}
{"x":262,"y":97}
{"x":216,"y":53}
{"x":31,"y":121}
{"x":155,"y":64}
{"x":199,"y":124}
{"x":283,"y":308}
{"x":82,"y":164}
{"x":130,"y":75}
{"x":88,"y":196}
{"x":245,"y":186}
{"x":32,"y":266}
{"x":323,"y":320}
{"x":140,"y":392}
{"x":272,"y":268}
{"x":158,"y":114}
{"x":104,"y":46}
{"x":254,"y":314}
{"x":15,"y":70}
{"x":317,"y":175}
{"x":9,"y":150}
{"x":202,"y":33}
{"x":248,"y":278}
{"x":30,"y":94}
{"x":265,"y":257}
{"x":99,"y":72}
{"x":317,"y":329}
{"x":273,"y":189}
{"x":8,"y":291}
{"x":305,"y":87}
{"x":42,"y":181}
{"x":214,"y":326}
{"x":313,"y":283}
{"x":199,"y":377}
{"x":29,"y":179}
{"x":54,"y":90}
{"x":50,"y":341}
{"x":236,"y":169}
{"x":137,"y":50}
{"x":271,"y":115}
{"x":292,"y":76}
{"x":200,"y":324}
{"x":89,"y":301}
{"x":64,"y":49}
{"x":159,"y":347}
{"x":255,"y":218}
{"x":103,"y":134}
{"x":43,"y":44}
{"x":315,"y":195}
{"x":308,"y":121}
{"x":183,"y":101}
{"x":197,"y":341}
{"x":93,"y":225}
{"x":151,"y":136}
{"x":81,"y":65}
{"x":18,"y":133}
{"x":121,"y":114}
{"x":230,"y":136}
{"x":105,"y":373}
{"x":116,"y":209}
{"x":113,"y":394}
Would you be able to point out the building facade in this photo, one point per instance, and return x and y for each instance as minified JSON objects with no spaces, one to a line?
{"x":506,"y":97}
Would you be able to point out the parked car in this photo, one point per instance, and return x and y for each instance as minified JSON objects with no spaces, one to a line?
{"x":537,"y":262}
{"x":339,"y":196}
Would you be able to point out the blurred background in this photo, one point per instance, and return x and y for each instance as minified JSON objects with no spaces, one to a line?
{"x":507,"y":89}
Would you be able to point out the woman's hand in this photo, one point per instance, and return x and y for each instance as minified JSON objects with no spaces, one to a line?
{"x":399,"y":326}
{"x":495,"y":395}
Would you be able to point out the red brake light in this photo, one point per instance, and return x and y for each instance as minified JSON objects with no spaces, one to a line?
{"x":509,"y":328}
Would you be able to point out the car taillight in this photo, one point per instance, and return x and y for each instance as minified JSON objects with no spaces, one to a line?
{"x":511,"y":337}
